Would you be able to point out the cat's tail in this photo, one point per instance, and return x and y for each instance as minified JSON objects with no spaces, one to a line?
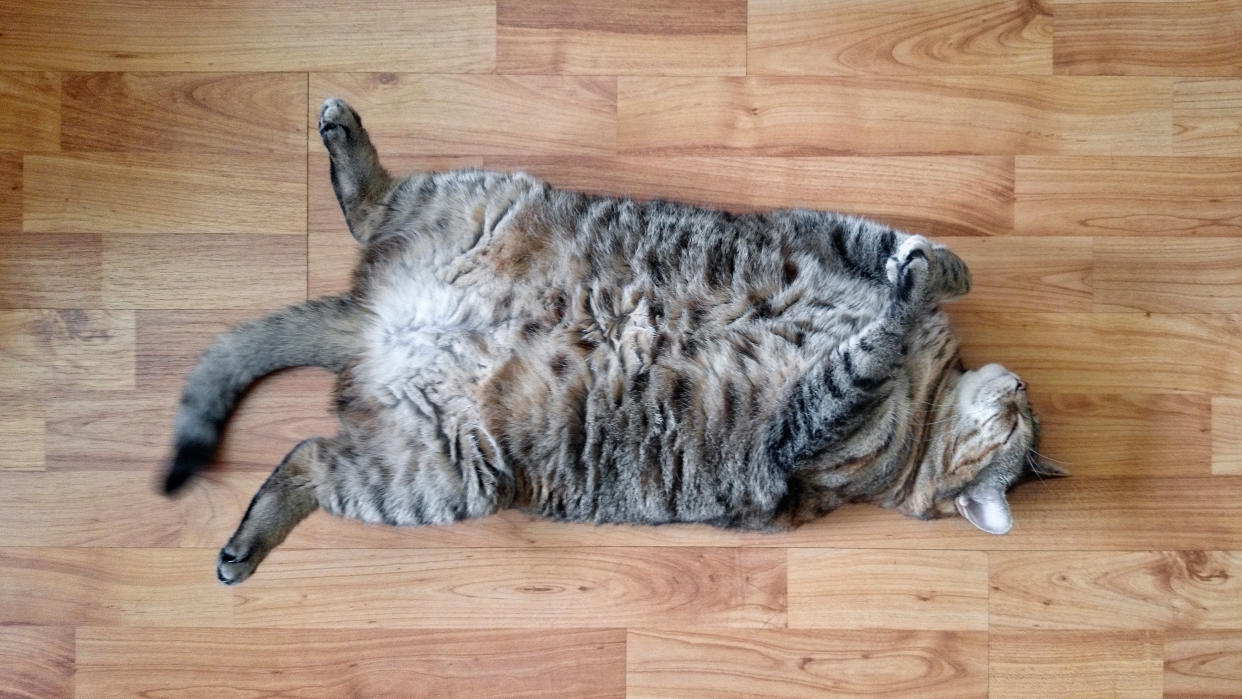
{"x":323,"y":332}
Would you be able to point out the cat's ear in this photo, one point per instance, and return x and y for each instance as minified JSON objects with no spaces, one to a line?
{"x":987,"y":509}
{"x":1047,"y":469}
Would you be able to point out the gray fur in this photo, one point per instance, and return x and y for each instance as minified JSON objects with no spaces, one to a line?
{"x":509,"y":344}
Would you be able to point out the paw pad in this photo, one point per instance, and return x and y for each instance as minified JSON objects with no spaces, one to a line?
{"x":337,"y":117}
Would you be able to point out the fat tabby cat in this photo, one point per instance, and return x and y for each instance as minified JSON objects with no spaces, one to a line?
{"x":585,"y":358}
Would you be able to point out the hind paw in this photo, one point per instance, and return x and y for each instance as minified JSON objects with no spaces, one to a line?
{"x":235,"y":564}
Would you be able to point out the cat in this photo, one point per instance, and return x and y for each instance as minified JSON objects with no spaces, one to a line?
{"x":587,"y":358}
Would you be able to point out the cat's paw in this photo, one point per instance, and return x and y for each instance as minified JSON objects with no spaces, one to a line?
{"x":235,"y":564}
{"x":908,"y":269}
{"x":337,"y":121}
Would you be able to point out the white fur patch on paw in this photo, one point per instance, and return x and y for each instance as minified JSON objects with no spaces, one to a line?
{"x":900,"y":258}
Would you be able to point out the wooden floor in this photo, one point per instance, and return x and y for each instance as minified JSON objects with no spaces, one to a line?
{"x":161,"y":180}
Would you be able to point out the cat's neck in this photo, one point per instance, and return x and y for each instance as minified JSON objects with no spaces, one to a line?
{"x":933,"y":421}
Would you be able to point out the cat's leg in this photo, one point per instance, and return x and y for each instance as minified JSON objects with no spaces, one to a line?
{"x":285,"y":499}
{"x":950,"y":277}
{"x":839,"y":396}
{"x":358,"y":179}
{"x":946,"y":277}
{"x":866,"y":248}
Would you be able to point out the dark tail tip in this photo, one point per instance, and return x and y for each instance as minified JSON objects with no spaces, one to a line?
{"x":190,"y":458}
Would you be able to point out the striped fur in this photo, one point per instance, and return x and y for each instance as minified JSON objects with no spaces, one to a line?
{"x":585,"y":358}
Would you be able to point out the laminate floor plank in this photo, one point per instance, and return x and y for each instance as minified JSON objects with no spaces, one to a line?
{"x":251,"y":113}
{"x":1079,"y":664}
{"x":210,"y":662}
{"x":983,"y":115}
{"x":705,"y":37}
{"x":111,"y":587}
{"x":795,"y":663}
{"x":1131,"y":196}
{"x":204,"y":272}
{"x":1227,"y":435}
{"x":836,"y":589}
{"x":1207,"y":116}
{"x":29,"y":111}
{"x":1184,"y":38}
{"x":504,"y":588}
{"x":476,"y":115}
{"x":285,"y":35}
{"x":945,"y":37}
{"x":51,"y":270}
{"x":36,"y":661}
{"x":70,"y":349}
{"x":1203,"y":663}
{"x":1137,"y":590}
{"x":164,"y":193}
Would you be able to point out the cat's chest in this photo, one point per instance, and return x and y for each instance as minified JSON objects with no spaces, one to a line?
{"x":424,"y":332}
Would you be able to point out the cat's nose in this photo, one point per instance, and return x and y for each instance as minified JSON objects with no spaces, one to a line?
{"x":1021,"y":385}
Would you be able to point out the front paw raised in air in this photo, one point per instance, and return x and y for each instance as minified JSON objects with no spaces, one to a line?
{"x":337,"y":121}
{"x":908,"y":271}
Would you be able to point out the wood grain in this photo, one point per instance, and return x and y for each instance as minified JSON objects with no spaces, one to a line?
{"x":1010,"y":273}
{"x":436,"y":35}
{"x":11,"y":189}
{"x":1202,"y":664}
{"x":112,"y":587}
{"x":162,"y":338}
{"x":331,"y":662}
{"x":1185,"y":38}
{"x":70,"y":349}
{"x":706,"y":37}
{"x":835,"y":37}
{"x":163,"y":193}
{"x":1207,"y":116}
{"x":787,"y":663}
{"x":842,"y":589}
{"x":1192,"y":276}
{"x":1116,"y":591}
{"x":1119,"y":434}
{"x":814,"y":116}
{"x":1227,"y":435}
{"x":50,"y":270}
{"x":1110,"y":352}
{"x":36,"y":661}
{"x":506,"y":588}
{"x":1046,"y":664}
{"x":477,"y":115}
{"x":191,"y":112}
{"x":22,"y":439}
{"x":978,"y":202}
{"x":1128,"y":196}
{"x":106,"y":510}
{"x":177,"y":271}
{"x":131,"y":431}
{"x":29,"y":113}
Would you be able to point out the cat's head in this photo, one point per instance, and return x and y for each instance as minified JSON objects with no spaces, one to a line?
{"x":987,"y":446}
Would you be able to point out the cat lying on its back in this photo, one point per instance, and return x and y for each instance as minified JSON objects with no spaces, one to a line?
{"x":508,"y":344}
